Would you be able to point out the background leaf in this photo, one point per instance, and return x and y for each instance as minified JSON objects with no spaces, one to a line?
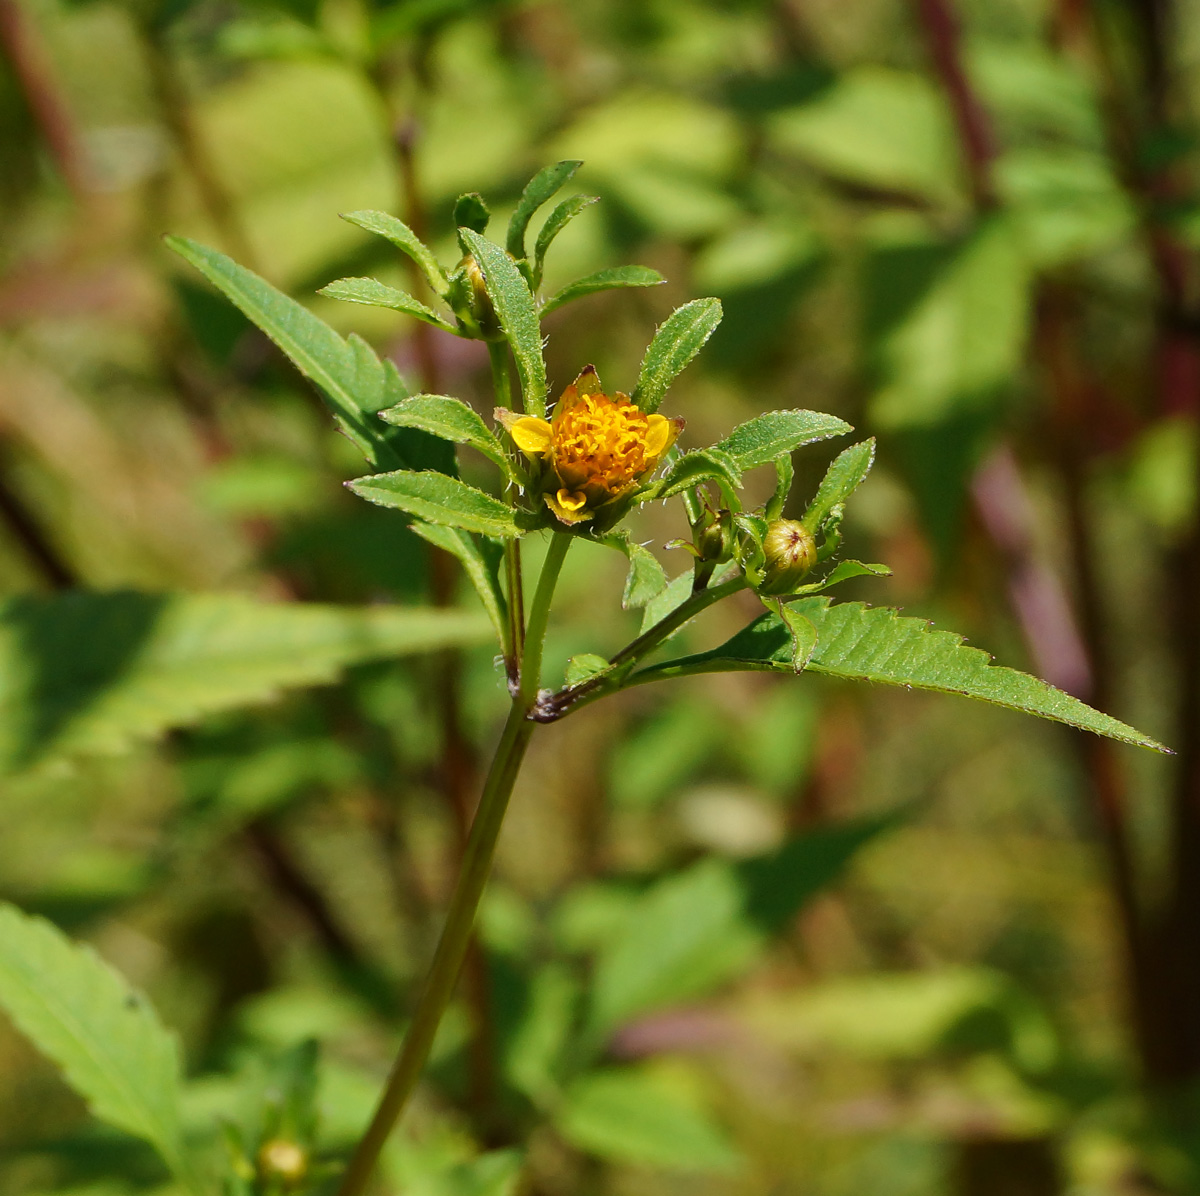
{"x":109,"y":1043}
{"x":86,"y":673}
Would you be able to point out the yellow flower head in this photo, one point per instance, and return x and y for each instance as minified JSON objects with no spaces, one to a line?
{"x":598,"y":447}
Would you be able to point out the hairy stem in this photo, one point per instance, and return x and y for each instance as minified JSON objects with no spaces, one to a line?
{"x":502,"y":389}
{"x":476,"y":866}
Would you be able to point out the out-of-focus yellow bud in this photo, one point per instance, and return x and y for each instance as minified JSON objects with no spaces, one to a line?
{"x":790,"y":552}
{"x":283,"y":1160}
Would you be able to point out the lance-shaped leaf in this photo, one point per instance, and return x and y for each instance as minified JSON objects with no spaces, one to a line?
{"x":876,"y":644}
{"x":517,"y":313}
{"x":353,"y":380}
{"x":604,"y":280}
{"x":437,"y":498}
{"x":678,"y":340}
{"x":105,"y":1037}
{"x":538,"y":190}
{"x":702,"y":465}
{"x":481,"y":574}
{"x":561,"y":215}
{"x":843,"y":477}
{"x":765,"y":437}
{"x":405,"y":240}
{"x":451,"y":419}
{"x":87,"y":673}
{"x":377,"y":294}
{"x":646,"y":578}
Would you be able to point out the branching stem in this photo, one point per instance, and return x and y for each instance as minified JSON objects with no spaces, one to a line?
{"x":476,"y":866}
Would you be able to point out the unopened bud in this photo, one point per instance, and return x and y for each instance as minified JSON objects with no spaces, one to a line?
{"x":712,"y":535}
{"x":283,"y":1160}
{"x":790,"y":552}
{"x":480,"y":301}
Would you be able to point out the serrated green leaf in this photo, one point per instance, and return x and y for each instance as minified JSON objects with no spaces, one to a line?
{"x":87,"y":673}
{"x":604,"y":280}
{"x":538,"y":190}
{"x":762,"y":439}
{"x":460,"y":544}
{"x":451,"y":419}
{"x":802,"y":633}
{"x":623,"y":1116}
{"x":373,"y":293}
{"x":517,"y":313}
{"x":107,"y":1040}
{"x":876,"y":644}
{"x":680,"y":337}
{"x":841,"y":479}
{"x":559,"y":218}
{"x":702,"y":465}
{"x":405,"y":240}
{"x":353,"y":380}
{"x":437,"y":498}
{"x":646,"y":578}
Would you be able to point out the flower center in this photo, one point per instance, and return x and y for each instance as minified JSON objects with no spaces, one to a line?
{"x":599,"y":441}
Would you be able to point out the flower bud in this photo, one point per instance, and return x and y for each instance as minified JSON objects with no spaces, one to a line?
{"x":790,"y":552}
{"x":283,"y":1161}
{"x":479,"y":300}
{"x":712,"y":535}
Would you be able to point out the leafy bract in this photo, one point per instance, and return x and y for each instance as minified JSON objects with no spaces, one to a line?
{"x":701,"y":465}
{"x":451,"y":419}
{"x":107,"y":1040}
{"x":762,"y":439}
{"x":621,"y":1115}
{"x":538,"y":190}
{"x":373,"y":293}
{"x":646,"y":579}
{"x":82,"y":673}
{"x":353,"y":380}
{"x":405,"y":240}
{"x":482,"y":576}
{"x":841,"y":479}
{"x":680,"y":337}
{"x":517,"y":313}
{"x":876,"y":644}
{"x":604,"y":280}
{"x":438,"y":499}
{"x":558,"y":219}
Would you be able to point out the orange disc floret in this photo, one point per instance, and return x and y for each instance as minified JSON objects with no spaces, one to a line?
{"x":598,"y":446}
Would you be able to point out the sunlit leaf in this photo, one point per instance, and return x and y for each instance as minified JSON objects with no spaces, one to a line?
{"x":355,"y":383}
{"x":842,"y":478}
{"x":701,"y":465}
{"x":680,"y":337}
{"x":538,"y":190}
{"x":517,"y":313}
{"x":405,"y":240}
{"x":377,"y":294}
{"x":604,"y":280}
{"x":452,"y":420}
{"x":762,"y":439}
{"x":438,"y":499}
{"x":560,"y":216}
{"x":876,"y":644}
{"x":646,"y":579}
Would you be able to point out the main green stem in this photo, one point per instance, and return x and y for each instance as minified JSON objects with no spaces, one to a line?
{"x":476,"y":866}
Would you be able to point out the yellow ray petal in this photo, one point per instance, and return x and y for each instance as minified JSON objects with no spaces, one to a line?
{"x":660,"y":433}
{"x":531,"y":435}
